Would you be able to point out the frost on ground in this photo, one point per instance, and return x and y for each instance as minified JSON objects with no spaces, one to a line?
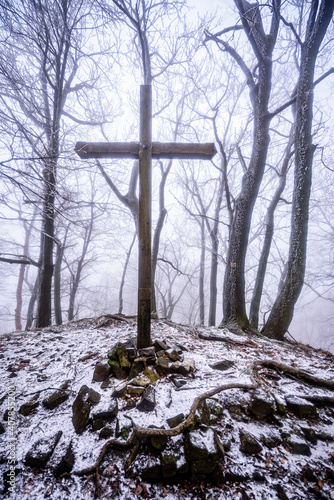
{"x":275,"y":441}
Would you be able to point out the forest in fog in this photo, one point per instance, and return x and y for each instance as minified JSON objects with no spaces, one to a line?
{"x":245,"y":240}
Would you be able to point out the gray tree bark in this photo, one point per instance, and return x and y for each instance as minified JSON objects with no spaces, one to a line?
{"x":234,"y":308}
{"x":283,"y":308}
{"x":268,"y":236}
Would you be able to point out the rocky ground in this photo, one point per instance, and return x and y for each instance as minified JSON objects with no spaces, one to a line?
{"x":203,"y":413}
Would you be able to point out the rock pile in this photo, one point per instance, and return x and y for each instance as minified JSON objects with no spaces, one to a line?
{"x":265,"y":424}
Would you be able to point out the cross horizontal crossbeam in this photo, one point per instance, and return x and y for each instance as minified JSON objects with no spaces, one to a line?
{"x":144,"y":151}
{"x":176,"y":150}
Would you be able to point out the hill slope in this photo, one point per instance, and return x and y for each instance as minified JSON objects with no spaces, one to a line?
{"x":270,"y":435}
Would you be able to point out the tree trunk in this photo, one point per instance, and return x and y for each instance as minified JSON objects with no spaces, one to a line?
{"x":283,"y":308}
{"x":46,"y":271}
{"x":269,"y":232}
{"x":214,"y":258}
{"x":159,"y":225}
{"x":34,"y":294}
{"x":201,"y":274}
{"x":57,"y":282}
{"x":120,"y":296}
{"x":18,"y":310}
{"x":234,"y":308}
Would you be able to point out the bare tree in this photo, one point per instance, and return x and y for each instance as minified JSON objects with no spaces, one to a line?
{"x":269,"y":234}
{"x":39,"y":64}
{"x":281,"y":314}
{"x":262,"y":46}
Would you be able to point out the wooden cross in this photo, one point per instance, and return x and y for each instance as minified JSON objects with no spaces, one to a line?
{"x":145,"y":150}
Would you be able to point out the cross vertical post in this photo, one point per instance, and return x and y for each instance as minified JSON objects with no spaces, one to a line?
{"x":145,"y":222}
{"x":145,"y":150}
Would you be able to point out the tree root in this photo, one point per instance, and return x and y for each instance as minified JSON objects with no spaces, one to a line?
{"x":133,"y":454}
{"x":104,"y":320}
{"x":227,"y":340}
{"x":111,"y":442}
{"x":143,"y":432}
{"x":296,"y":372}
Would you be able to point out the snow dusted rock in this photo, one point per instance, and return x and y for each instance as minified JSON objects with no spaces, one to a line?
{"x":182,"y":466}
{"x":159,"y":345}
{"x":201,"y":451}
{"x":2,"y":429}
{"x":106,"y":383}
{"x":249,"y":443}
{"x":42,"y":450}
{"x":26,"y":408}
{"x":147,"y":402}
{"x":174,"y":421}
{"x":122,"y":355}
{"x":272,"y":439}
{"x":236,"y":476}
{"x":297,"y":446}
{"x":101,"y":372}
{"x":123,"y":427}
{"x":146,"y":352}
{"x":131,"y":352}
{"x":120,"y":390}
{"x":112,"y":354}
{"x":300,"y":407}
{"x":173,"y":354}
{"x":163,"y":366}
{"x":222,"y":365}
{"x":215,"y":409}
{"x":309,"y":434}
{"x":187,"y":367}
{"x":93,"y":397}
{"x":178,"y":381}
{"x":151,"y":373}
{"x":141,"y":381}
{"x":66,"y":463}
{"x":262,"y":404}
{"x":58,"y":397}
{"x":81,"y":408}
{"x":101,"y":418}
{"x":203,"y":414}
{"x":135,"y":390}
{"x":280,"y":404}
{"x":106,"y":432}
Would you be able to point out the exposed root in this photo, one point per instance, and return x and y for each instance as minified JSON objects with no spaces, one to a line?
{"x":111,"y":442}
{"x":227,"y":340}
{"x":295,"y":372}
{"x":133,"y":454}
{"x":143,"y":432}
{"x":105,"y":320}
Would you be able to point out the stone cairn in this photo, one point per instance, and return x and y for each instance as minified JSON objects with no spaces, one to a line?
{"x":197,"y":452}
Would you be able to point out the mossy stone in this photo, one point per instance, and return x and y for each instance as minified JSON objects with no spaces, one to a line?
{"x":117,"y":370}
{"x":168,"y":465}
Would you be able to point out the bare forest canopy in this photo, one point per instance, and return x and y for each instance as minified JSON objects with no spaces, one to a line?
{"x":245,"y":240}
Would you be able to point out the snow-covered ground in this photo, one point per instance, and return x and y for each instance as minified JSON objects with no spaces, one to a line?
{"x":38,"y":362}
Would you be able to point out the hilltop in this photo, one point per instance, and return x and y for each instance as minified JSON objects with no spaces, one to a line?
{"x":251,"y":418}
